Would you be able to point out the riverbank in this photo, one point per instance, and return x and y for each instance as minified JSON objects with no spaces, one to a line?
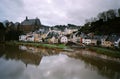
{"x":50,"y":46}
{"x":99,"y":50}
{"x":105,"y":51}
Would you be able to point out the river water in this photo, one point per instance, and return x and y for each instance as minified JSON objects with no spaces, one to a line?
{"x":36,"y":63}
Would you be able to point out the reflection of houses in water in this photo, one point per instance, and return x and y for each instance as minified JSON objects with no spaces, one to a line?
{"x":26,"y":57}
{"x":29,"y":49}
{"x":38,"y":51}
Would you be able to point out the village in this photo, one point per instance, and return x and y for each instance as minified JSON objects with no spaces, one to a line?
{"x":59,"y":39}
{"x":33,"y":32}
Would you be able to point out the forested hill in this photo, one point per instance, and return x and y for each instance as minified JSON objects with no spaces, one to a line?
{"x":105,"y":23}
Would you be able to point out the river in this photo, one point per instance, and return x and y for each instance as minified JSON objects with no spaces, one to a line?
{"x":21,"y":62}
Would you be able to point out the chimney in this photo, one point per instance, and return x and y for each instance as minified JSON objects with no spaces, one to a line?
{"x":26,"y":18}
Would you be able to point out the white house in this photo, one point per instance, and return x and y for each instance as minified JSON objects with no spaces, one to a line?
{"x":86,"y":41}
{"x":30,"y":38}
{"x":75,"y":37}
{"x":117,"y":43}
{"x":22,"y":38}
{"x":63,"y":39}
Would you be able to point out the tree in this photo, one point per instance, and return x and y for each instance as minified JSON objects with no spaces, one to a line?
{"x":102,"y":16}
{"x":12,"y":35}
{"x":119,"y":12}
{"x":111,"y":14}
{"x":2,"y":32}
{"x":107,"y":23}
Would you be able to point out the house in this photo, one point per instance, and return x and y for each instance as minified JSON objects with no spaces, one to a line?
{"x":53,"y":40}
{"x":75,"y":37}
{"x":107,"y":44}
{"x":37,"y":37}
{"x":93,"y":41}
{"x":30,"y":38}
{"x":63,"y":39}
{"x":96,"y":40}
{"x":103,"y":41}
{"x":43,"y":32}
{"x":22,"y":38}
{"x":29,"y":25}
{"x":52,"y":37}
{"x":117,"y":41}
{"x":112,"y":40}
{"x":86,"y":41}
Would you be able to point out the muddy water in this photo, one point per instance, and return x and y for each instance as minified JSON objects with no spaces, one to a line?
{"x":35,"y":63}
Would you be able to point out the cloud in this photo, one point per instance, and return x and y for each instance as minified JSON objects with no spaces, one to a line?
{"x":10,"y":9}
{"x":52,"y":12}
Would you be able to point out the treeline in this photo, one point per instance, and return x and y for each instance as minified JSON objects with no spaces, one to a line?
{"x":63,"y":27}
{"x":107,"y":22}
{"x":9,"y":31}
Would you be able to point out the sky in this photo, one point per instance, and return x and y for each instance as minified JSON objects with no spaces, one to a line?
{"x":55,"y":12}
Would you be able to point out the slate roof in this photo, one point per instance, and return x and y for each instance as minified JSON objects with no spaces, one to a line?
{"x":42,"y":31}
{"x":28,"y":22}
{"x":51,"y":34}
{"x":31,"y":22}
{"x":113,"y":38}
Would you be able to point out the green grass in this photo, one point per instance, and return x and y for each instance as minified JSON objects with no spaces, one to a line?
{"x":106,"y":51}
{"x":59,"y":46}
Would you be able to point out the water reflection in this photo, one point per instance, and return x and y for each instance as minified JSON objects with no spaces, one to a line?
{"x":62,"y":67}
{"x":36,"y":63}
{"x":12,"y":69}
{"x":13,"y":53}
{"x":39,"y":51}
{"x":103,"y":66}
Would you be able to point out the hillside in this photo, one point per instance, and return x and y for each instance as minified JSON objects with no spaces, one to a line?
{"x":106,"y":24}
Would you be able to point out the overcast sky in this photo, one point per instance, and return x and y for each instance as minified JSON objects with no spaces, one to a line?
{"x":53,"y":12}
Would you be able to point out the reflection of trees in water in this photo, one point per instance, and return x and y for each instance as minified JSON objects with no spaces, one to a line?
{"x":2,"y":49}
{"x":108,"y":68}
{"x":13,"y":52}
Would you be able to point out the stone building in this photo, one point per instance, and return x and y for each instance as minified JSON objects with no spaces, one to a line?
{"x":29,"y":25}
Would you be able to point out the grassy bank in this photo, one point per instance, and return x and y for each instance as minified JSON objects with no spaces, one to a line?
{"x":52,"y":46}
{"x":106,"y":51}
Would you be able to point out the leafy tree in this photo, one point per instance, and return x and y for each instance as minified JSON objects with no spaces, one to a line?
{"x":2,"y":32}
{"x":119,"y":12}
{"x":110,"y":14}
